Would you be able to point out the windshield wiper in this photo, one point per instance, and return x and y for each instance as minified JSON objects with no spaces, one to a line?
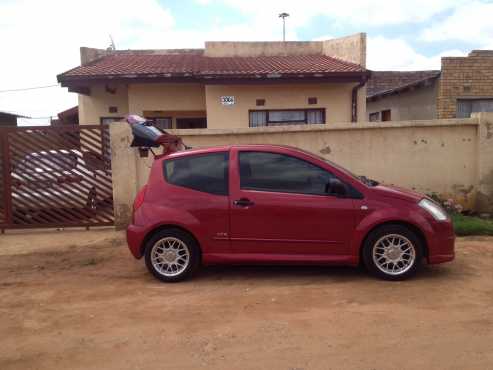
{"x":368,"y":181}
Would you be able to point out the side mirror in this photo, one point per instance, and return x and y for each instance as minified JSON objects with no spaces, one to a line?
{"x":336,"y":187}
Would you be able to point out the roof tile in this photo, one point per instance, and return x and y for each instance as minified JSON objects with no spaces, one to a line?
{"x":386,"y":81}
{"x":123,"y":64}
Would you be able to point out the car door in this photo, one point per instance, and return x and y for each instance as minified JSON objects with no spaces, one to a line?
{"x":279,"y":205}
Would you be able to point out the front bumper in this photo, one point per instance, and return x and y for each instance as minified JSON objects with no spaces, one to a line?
{"x":441,"y":245}
{"x":135,"y":239}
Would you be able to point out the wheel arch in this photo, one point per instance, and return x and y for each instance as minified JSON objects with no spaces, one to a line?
{"x":159,"y":228}
{"x":415,"y":229}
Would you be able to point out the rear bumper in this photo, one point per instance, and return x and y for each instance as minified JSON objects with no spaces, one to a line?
{"x":441,"y":246}
{"x":135,"y":238}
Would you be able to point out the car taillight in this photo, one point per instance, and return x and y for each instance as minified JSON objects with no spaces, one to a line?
{"x":139,"y":199}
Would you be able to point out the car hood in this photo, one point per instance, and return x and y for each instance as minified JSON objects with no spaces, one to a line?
{"x":391,"y":191}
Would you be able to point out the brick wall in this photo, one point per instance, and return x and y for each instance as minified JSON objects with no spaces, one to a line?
{"x":464,"y":77}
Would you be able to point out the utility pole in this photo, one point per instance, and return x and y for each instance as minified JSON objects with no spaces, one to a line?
{"x":283,"y":16}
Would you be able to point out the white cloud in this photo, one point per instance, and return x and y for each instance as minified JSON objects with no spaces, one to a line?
{"x":470,"y":23}
{"x":361,"y":13}
{"x":396,"y":54}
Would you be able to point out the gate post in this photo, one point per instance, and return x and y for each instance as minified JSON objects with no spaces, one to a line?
{"x":484,"y":200}
{"x":7,"y":179}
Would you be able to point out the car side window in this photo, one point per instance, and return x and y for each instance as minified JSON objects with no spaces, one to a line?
{"x":281,"y":173}
{"x":205,"y":172}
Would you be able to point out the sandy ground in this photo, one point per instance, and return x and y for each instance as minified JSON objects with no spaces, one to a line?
{"x":72,"y":304}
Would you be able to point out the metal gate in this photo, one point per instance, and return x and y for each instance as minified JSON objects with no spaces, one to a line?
{"x":55,"y":177}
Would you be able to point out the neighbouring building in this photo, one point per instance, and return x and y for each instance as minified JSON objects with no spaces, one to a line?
{"x":463,"y":86}
{"x":226,"y":84}
{"x":402,"y":95}
{"x":466,"y":85}
{"x":9,"y":119}
{"x":67,"y":117}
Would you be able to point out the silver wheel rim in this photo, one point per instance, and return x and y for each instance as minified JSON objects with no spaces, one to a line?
{"x":170,"y":256}
{"x":394,"y":254}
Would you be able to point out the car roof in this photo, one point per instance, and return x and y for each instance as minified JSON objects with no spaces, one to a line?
{"x":223,"y":148}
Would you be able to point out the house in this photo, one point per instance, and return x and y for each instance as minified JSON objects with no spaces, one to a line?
{"x":226,"y":84}
{"x":9,"y":119}
{"x":67,"y":117}
{"x":464,"y":85}
{"x":402,"y":95}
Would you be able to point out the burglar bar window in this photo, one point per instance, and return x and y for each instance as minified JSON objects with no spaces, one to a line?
{"x":259,"y":118}
{"x":465,"y":107}
{"x":161,"y":122}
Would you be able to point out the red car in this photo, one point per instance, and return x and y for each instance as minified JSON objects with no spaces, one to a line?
{"x":253,"y":204}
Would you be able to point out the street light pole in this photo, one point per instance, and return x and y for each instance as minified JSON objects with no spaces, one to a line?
{"x":283,"y":16}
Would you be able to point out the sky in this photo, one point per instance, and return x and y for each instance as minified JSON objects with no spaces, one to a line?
{"x":40,"y":39}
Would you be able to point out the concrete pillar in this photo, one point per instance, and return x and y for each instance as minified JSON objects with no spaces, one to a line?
{"x":484,"y":202}
{"x":124,"y":170}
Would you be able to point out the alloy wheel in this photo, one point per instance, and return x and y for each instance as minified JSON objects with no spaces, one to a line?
{"x":394,"y":254}
{"x":170,"y":256}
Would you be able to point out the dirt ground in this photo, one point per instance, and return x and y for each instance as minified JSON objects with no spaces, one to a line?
{"x":72,"y":304}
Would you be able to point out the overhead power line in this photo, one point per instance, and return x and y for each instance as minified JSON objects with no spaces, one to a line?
{"x":28,"y":88}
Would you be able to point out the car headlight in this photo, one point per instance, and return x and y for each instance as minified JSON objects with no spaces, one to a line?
{"x":434,"y":209}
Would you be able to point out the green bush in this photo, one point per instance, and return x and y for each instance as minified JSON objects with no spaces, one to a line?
{"x":469,"y":225}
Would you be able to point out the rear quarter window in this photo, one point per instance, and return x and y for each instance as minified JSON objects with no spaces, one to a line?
{"x":207,"y":173}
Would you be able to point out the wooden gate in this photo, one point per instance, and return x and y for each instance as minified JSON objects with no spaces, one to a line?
{"x":55,"y":177}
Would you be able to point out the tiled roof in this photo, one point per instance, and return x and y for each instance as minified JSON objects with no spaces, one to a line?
{"x":128,"y":65}
{"x":13,"y":114}
{"x":384,"y":82}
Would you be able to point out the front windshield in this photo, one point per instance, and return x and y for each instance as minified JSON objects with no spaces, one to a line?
{"x":362,"y":179}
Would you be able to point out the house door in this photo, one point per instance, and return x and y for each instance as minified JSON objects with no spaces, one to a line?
{"x":200,"y":122}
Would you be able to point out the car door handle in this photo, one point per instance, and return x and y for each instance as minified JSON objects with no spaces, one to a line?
{"x":243,"y":202}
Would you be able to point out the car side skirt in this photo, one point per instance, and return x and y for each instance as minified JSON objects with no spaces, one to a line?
{"x":291,"y":259}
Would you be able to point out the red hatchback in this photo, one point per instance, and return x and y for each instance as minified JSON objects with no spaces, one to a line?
{"x":252,"y":204}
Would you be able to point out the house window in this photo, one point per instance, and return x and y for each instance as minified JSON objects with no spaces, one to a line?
{"x":162,"y":123}
{"x":187,"y":123}
{"x":465,"y":107}
{"x":280,"y":117}
{"x":386,"y":115}
{"x":375,"y":117}
{"x":260,"y":102}
{"x":312,"y":100}
{"x":107,"y":120}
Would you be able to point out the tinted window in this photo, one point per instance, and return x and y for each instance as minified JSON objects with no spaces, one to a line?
{"x":207,"y":173}
{"x":281,"y":173}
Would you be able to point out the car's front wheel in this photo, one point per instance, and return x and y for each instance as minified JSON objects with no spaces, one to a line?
{"x":172,"y":255}
{"x":392,"y":252}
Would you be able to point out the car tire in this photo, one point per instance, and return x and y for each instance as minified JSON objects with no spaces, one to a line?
{"x":393,"y":252}
{"x":172,"y":255}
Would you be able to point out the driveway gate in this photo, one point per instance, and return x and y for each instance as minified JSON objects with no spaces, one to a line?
{"x":55,"y":177}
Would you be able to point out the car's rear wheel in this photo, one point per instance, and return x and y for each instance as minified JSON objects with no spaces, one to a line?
{"x":172,"y":255}
{"x":393,"y":252}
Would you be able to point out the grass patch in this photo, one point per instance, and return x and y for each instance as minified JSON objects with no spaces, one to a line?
{"x":469,"y":225}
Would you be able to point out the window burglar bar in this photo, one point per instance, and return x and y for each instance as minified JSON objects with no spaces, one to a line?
{"x":277,"y":117}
